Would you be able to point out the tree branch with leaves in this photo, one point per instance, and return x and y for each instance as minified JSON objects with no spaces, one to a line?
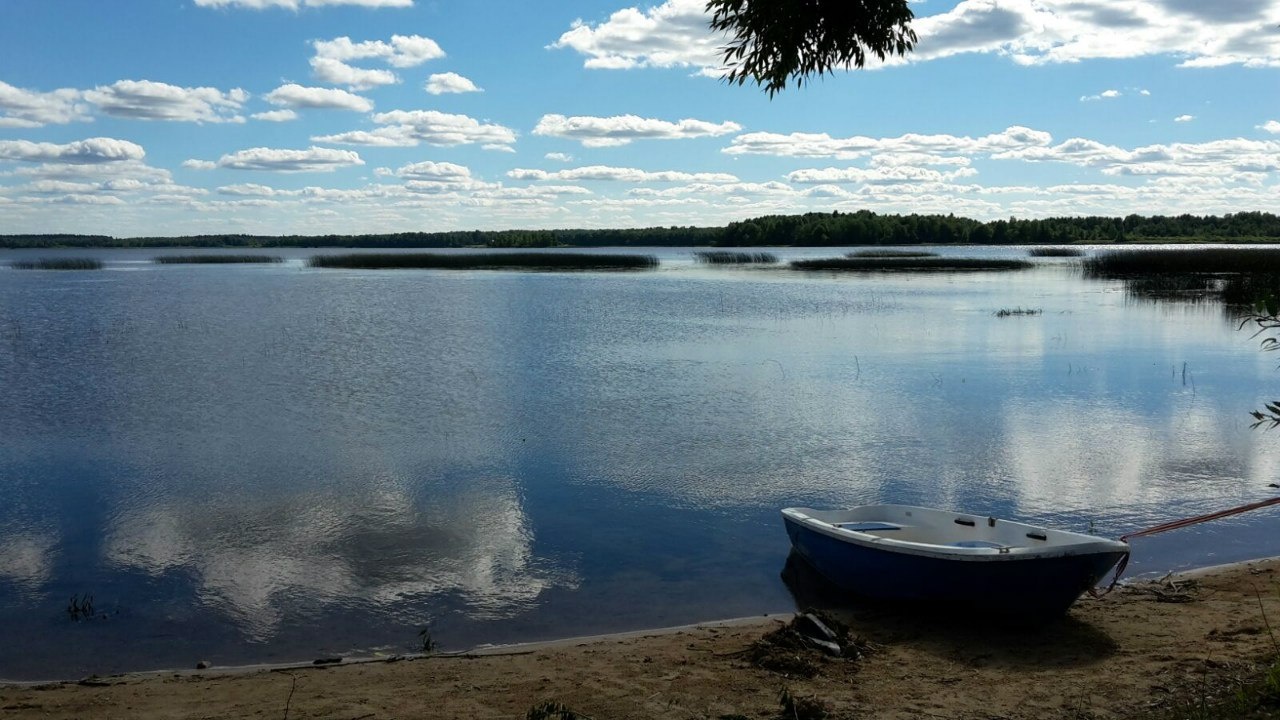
{"x":781,"y":41}
{"x":1265,"y":317}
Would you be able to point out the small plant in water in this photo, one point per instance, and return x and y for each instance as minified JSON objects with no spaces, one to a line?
{"x":425,"y":641}
{"x":1009,"y":312}
{"x":1055,"y":252}
{"x":725,"y":257}
{"x":80,"y":607}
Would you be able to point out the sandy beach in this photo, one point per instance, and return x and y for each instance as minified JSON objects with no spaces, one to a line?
{"x":1150,"y":645}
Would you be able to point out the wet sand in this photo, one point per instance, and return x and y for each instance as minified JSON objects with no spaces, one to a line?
{"x":1148,"y":645}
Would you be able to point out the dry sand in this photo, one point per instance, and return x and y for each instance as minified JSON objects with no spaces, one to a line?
{"x":1148,"y":645}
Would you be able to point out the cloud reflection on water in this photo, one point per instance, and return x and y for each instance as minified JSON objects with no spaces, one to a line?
{"x":26,"y":558}
{"x":255,"y":562}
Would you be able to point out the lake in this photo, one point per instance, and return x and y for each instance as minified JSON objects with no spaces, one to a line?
{"x":275,"y":463}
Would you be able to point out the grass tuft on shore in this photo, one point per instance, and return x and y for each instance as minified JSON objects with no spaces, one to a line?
{"x":552,"y":710}
{"x":901,"y":264}
{"x":1055,"y":252}
{"x":890,"y":254}
{"x":215,"y":259}
{"x":57,"y":264}
{"x":485,"y":261}
{"x":727,"y":257}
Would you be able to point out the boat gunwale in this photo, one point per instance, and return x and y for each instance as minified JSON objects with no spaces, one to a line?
{"x":1084,"y":545}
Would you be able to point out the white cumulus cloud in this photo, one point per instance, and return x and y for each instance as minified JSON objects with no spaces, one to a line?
{"x":275,"y":116}
{"x":402,"y":51}
{"x":442,"y":83}
{"x":622,"y":129}
{"x":28,"y":109}
{"x":823,"y":145}
{"x":891,"y":174}
{"x":428,"y":170}
{"x":437,"y":178}
{"x":313,"y":159}
{"x":673,"y":34}
{"x":148,"y":100}
{"x":332,"y":60}
{"x":1184,"y":118}
{"x":1271,"y":126}
{"x":1104,"y":95}
{"x":337,"y":72}
{"x":406,"y":128}
{"x":81,"y":152}
{"x":604,"y":172}
{"x":297,"y":96}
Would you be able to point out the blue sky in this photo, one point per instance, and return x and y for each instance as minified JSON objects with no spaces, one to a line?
{"x":353,"y":116}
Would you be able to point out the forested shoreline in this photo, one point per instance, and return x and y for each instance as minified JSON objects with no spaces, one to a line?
{"x":809,"y":230}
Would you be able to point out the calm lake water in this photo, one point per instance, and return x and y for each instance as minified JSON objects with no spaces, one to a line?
{"x":271,"y":463}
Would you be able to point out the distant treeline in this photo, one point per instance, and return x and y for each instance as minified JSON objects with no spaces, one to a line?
{"x":811,"y":230}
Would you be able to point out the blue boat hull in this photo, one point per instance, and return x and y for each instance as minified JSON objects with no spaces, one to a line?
{"x":1036,"y":588}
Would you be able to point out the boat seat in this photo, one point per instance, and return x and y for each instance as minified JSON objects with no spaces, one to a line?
{"x":978,"y":544}
{"x":867,"y":526}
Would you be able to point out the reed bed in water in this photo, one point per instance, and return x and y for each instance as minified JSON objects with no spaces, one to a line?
{"x":900,"y":264}
{"x":1017,"y":311}
{"x":215,"y":259}
{"x":485,"y":261}
{"x":1184,"y":260}
{"x":890,"y":254}
{"x":57,"y":264}
{"x":1055,"y":252}
{"x":727,"y":257}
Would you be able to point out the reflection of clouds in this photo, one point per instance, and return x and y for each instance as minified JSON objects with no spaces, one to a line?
{"x":254,"y":560}
{"x":25,"y":558}
{"x":1077,"y":454}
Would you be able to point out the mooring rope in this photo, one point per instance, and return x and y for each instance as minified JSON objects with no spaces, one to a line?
{"x":1174,"y":525}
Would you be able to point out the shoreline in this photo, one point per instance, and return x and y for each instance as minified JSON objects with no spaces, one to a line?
{"x":479,"y":651}
{"x":1150,"y":644}
{"x":492,"y":649}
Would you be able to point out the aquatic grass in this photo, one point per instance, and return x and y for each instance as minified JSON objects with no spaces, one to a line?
{"x":57,"y":264}
{"x":726,"y":257}
{"x":426,"y":643}
{"x":1055,"y":252}
{"x":1250,"y":288}
{"x":900,"y":264}
{"x":1233,"y":276}
{"x":215,"y":259}
{"x":890,"y":254}
{"x":1011,"y":312}
{"x":1168,"y":287}
{"x":1183,"y":260}
{"x":485,"y":261}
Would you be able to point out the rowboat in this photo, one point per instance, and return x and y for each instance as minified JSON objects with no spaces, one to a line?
{"x":915,"y":553}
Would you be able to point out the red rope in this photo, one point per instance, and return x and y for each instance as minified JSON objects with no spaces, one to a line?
{"x":1174,"y":525}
